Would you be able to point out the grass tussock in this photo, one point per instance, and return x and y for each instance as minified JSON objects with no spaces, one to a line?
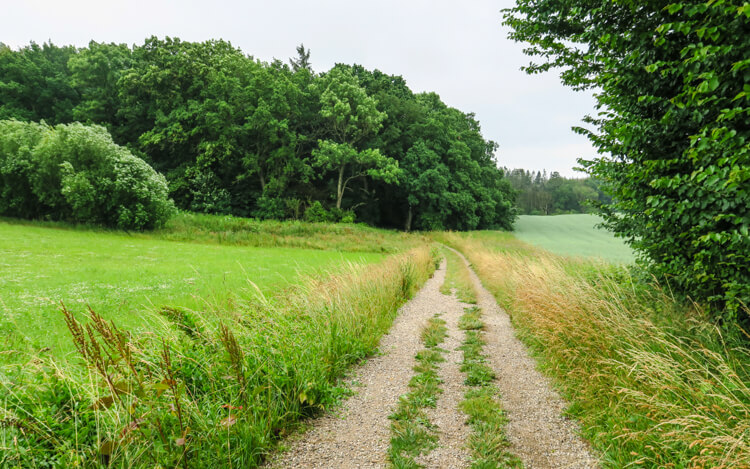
{"x":457,"y":278}
{"x":412,"y":434}
{"x":471,"y":320}
{"x":653,"y":382}
{"x":216,"y":390}
{"x":488,"y":442}
{"x":434,"y":333}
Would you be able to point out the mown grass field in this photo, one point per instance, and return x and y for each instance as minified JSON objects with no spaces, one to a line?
{"x":127,"y":279}
{"x":572,"y":235}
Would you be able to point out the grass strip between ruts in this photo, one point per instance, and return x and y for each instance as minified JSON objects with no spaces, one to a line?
{"x":412,"y":434}
{"x":457,"y":278}
{"x":488,"y":443}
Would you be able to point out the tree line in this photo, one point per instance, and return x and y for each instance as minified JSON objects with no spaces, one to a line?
{"x":236,"y":135}
{"x":538,"y":193}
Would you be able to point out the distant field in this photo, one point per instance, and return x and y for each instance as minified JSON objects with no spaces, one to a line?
{"x":126,"y":278}
{"x":575,"y":235}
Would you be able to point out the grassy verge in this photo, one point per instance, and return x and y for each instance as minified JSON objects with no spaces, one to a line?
{"x":652,"y":381}
{"x":412,"y":432}
{"x":487,"y":442}
{"x":193,"y":227}
{"x":457,"y":278}
{"x":216,"y":390}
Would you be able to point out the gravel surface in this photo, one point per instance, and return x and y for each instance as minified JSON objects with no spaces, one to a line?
{"x":538,"y":432}
{"x":358,"y":434}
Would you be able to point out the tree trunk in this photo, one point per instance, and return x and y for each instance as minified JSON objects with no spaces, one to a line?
{"x":340,"y":189}
{"x":262,"y":180}
{"x":407,"y":225}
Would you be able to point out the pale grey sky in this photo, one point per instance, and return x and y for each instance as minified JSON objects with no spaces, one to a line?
{"x":459,"y":50}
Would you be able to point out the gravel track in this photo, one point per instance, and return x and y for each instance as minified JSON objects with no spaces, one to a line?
{"x":358,"y":434}
{"x":538,"y":432}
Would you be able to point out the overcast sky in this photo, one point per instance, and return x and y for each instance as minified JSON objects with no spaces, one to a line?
{"x":459,"y":50}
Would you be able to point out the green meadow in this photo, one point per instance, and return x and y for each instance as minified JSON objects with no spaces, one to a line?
{"x":128,"y":278}
{"x":572,"y":235}
{"x":210,"y":323}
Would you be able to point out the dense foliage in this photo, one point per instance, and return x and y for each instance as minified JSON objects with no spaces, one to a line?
{"x":540,"y":194}
{"x":673,"y":127}
{"x":77,"y":173}
{"x":240,"y":136}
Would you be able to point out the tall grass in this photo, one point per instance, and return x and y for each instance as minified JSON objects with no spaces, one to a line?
{"x":217,"y":390}
{"x":653,"y":382}
{"x":270,"y":233}
{"x":238,"y":231}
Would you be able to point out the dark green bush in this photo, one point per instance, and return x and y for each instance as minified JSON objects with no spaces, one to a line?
{"x":316,"y":213}
{"x":342,"y":216}
{"x":270,"y":208}
{"x":17,"y":142}
{"x":77,"y":173}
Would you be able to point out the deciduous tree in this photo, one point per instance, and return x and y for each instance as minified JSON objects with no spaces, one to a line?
{"x":673,"y":128}
{"x":351,"y":116}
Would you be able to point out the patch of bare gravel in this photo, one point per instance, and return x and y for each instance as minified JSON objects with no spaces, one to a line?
{"x":538,"y":432}
{"x":453,"y":432}
{"x":358,"y":434}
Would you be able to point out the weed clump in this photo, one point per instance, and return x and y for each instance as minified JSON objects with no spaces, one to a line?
{"x":183,"y":319}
